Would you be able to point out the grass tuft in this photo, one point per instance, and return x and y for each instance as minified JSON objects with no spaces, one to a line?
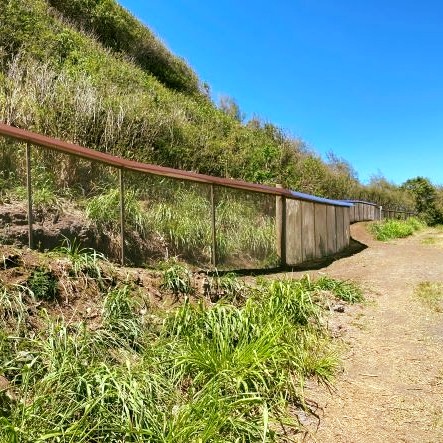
{"x":344,"y":290}
{"x":85,"y":261}
{"x":177,"y":279}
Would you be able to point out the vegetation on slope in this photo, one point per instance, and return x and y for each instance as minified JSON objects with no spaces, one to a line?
{"x":99,"y":361}
{"x":88,"y":72}
{"x":65,"y":74}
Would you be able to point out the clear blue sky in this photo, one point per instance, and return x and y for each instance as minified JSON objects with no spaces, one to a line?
{"x":363,"y":78}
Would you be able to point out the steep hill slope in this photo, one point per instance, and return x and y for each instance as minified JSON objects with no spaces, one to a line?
{"x":88,"y":72}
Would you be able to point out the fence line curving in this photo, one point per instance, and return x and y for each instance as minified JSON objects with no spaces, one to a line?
{"x":306,"y":227}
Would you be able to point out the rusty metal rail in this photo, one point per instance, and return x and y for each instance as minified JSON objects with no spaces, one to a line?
{"x":131,"y":165}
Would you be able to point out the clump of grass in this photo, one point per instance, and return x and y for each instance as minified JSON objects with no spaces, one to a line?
{"x":85,"y":261}
{"x":44,"y":284}
{"x":227,"y":287}
{"x":344,"y":290}
{"x":430,"y":240}
{"x":119,"y":314}
{"x":431,"y":294}
{"x":390,"y":228}
{"x":104,"y":209}
{"x":294,"y":299}
{"x":177,"y":279}
{"x":13,"y":309}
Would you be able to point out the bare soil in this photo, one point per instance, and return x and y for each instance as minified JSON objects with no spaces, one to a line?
{"x":391,"y":387}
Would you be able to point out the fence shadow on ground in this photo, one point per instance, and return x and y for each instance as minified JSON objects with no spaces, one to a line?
{"x":355,"y":247}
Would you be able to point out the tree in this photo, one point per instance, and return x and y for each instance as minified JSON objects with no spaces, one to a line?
{"x":425,"y":195}
{"x":230,"y":107}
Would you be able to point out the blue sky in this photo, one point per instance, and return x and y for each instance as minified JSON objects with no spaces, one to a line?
{"x":361,"y":78}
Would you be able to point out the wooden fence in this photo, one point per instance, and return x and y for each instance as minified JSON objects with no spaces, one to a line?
{"x":311,"y":229}
{"x":366,"y":211}
{"x":307,"y":227}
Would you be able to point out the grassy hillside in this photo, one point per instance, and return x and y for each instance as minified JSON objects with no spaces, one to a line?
{"x":92,"y":353}
{"x":88,"y":72}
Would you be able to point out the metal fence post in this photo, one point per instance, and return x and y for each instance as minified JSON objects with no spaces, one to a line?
{"x":213,"y":229}
{"x":122,"y":214}
{"x":29,"y":195}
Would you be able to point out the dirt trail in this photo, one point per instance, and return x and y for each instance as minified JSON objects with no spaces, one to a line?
{"x":391,"y":389}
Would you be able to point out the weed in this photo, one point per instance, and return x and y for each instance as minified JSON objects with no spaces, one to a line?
{"x":13,"y":308}
{"x":293,"y":299}
{"x":119,"y":314}
{"x":430,"y":294}
{"x":44,"y":284}
{"x":430,"y":240}
{"x":85,"y":261}
{"x":228,"y":287}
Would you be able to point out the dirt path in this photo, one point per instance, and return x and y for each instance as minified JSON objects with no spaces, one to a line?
{"x":391,"y":389}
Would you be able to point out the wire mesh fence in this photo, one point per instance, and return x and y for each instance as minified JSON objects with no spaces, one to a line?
{"x":245,"y":229}
{"x":13,"y":193}
{"x":139,"y":214}
{"x":139,"y":217}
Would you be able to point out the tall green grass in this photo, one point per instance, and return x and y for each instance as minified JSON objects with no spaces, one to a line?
{"x":390,"y":228}
{"x":222,"y":373}
{"x":182,"y":218}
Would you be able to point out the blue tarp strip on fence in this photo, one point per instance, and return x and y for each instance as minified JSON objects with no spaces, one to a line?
{"x":314,"y":199}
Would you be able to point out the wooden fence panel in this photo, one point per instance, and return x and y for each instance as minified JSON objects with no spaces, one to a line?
{"x":362,"y":211}
{"x":339,"y":222}
{"x":321,"y":231}
{"x":346,"y":227}
{"x":294,"y":232}
{"x":354,"y":213}
{"x":331,"y":230}
{"x":308,"y":223}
